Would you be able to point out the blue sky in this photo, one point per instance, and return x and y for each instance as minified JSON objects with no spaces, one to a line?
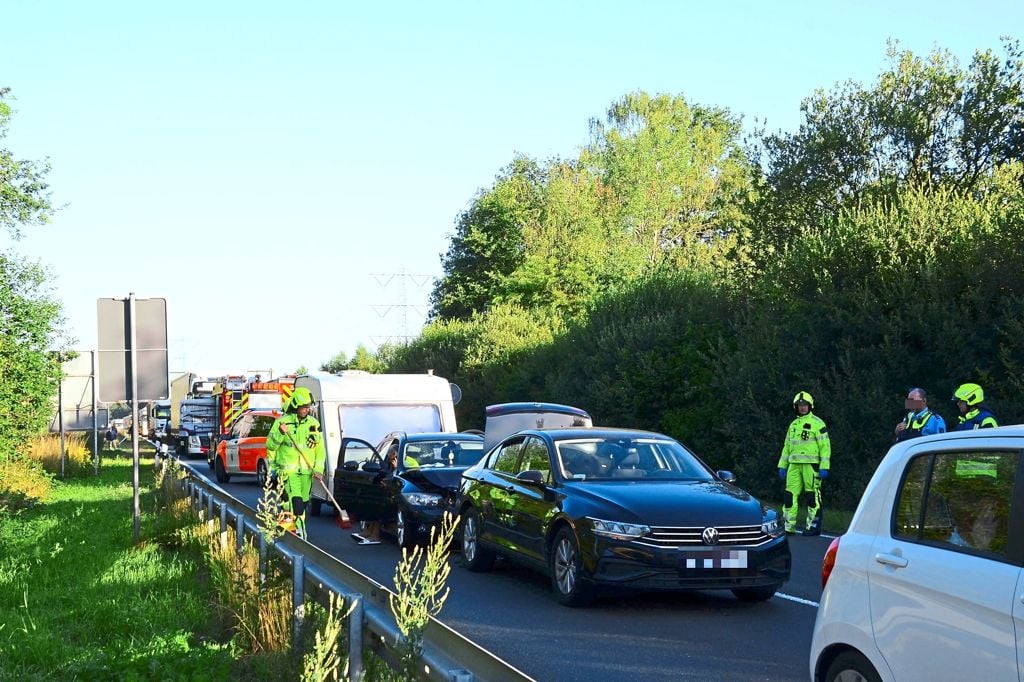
{"x":287,"y":177}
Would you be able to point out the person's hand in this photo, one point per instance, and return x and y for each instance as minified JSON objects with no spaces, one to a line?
{"x":283,"y":427}
{"x":319,"y":477}
{"x":782,"y":474}
{"x":900,"y":428}
{"x":823,"y":473}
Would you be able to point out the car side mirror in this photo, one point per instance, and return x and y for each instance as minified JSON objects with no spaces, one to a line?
{"x":350,"y":465}
{"x":726,"y":476}
{"x":372,"y":466}
{"x":531,"y":476}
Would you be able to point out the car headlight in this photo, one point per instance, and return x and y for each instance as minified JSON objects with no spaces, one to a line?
{"x":770,"y":524}
{"x":422,"y":499}
{"x":618,"y":529}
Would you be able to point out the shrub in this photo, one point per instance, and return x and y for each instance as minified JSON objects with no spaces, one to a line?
{"x":22,"y":484}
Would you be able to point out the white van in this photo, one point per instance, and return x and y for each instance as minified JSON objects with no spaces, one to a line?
{"x":358,"y":404}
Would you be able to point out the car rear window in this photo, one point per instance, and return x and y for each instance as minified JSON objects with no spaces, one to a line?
{"x":960,"y":500}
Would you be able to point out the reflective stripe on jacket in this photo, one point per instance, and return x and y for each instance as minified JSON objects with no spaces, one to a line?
{"x":282,"y":453}
{"x":978,"y":418}
{"x":806,"y":443}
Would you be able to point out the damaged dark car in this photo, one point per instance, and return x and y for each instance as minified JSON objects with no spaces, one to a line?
{"x":407,"y":481}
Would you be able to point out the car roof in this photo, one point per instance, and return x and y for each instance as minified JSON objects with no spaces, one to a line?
{"x":443,"y":436}
{"x":1009,"y":431}
{"x":601,"y":432}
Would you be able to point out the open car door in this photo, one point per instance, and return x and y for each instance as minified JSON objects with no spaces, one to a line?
{"x":358,"y":480}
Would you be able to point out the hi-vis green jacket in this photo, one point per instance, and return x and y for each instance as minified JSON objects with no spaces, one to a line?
{"x":806,"y":443}
{"x":281,"y":452}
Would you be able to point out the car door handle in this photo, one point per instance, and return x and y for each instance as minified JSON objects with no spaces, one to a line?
{"x":891,"y":560}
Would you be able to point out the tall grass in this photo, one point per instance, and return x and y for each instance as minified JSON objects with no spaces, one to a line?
{"x":45,"y":449}
{"x":78,"y":600}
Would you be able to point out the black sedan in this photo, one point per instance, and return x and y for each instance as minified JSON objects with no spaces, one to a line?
{"x":612,"y":507}
{"x":411,"y":497}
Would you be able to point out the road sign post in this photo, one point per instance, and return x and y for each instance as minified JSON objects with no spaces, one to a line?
{"x":132,"y":363}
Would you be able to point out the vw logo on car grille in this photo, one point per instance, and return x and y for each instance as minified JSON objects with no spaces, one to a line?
{"x":710,"y":536}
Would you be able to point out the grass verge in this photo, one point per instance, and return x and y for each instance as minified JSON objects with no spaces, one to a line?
{"x":78,"y":600}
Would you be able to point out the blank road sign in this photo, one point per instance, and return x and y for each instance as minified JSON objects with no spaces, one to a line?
{"x":115,"y":376}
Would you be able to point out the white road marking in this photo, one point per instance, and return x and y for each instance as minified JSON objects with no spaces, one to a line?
{"x":798,"y":600}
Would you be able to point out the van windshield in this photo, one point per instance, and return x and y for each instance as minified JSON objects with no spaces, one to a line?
{"x":372,"y":422}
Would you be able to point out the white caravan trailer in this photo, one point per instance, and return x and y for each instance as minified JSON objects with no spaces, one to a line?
{"x":357,"y":404}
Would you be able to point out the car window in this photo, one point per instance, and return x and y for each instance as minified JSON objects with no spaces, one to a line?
{"x":505,"y":457}
{"x":634,"y":458}
{"x":261,"y":426}
{"x":356,"y":451}
{"x":535,"y":458}
{"x":447,"y":452}
{"x":959,"y":500}
{"x":241,"y":427}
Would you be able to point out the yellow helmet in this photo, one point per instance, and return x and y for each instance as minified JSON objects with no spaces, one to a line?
{"x":803,"y":396}
{"x":972,"y":394}
{"x":301,"y":397}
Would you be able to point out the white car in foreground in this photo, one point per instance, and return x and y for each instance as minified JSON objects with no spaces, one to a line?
{"x":927,"y":584}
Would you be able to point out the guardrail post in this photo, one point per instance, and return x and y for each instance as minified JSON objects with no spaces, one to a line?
{"x":354,"y":602}
{"x":210,"y":501}
{"x":460,"y":676}
{"x":223,"y":525}
{"x":298,"y":599}
{"x":239,"y":533}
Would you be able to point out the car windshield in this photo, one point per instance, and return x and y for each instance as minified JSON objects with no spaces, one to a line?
{"x":628,"y":458}
{"x":444,"y":452}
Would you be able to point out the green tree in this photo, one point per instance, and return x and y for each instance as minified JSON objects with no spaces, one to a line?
{"x":29,"y":316}
{"x":488,"y":242}
{"x":336,"y":364}
{"x":675,"y":176}
{"x":926,"y":122}
{"x":24,"y":194}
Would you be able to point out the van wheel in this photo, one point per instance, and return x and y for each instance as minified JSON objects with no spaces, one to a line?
{"x":756,"y":593}
{"x":261,"y":472}
{"x":222,"y":474}
{"x":477,"y":558}
{"x":566,"y":567}
{"x":851,"y":665}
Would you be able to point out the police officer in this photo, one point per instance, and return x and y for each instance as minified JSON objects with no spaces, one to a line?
{"x":969,"y":399}
{"x":295,"y":450}
{"x":805,"y":461}
{"x":920,"y":420}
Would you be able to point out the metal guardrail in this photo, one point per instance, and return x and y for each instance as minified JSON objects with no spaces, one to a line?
{"x":447,"y":655}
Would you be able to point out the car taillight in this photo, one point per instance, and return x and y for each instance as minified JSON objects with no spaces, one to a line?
{"x":829,"y":562}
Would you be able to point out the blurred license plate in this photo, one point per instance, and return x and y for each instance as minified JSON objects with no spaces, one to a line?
{"x":713,"y":559}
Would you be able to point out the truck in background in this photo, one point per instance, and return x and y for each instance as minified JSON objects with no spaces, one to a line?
{"x":198,"y":419}
{"x":159,"y":419}
{"x":358,"y":404}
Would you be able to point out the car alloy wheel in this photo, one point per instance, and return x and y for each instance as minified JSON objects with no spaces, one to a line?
{"x":477,"y":557}
{"x":566,"y":569}
{"x":401,"y":532}
{"x":261,"y":472}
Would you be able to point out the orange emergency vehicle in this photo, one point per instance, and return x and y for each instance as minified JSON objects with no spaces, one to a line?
{"x":236,"y":398}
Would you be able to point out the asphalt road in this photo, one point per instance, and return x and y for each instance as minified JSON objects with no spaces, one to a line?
{"x":510,"y":611}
